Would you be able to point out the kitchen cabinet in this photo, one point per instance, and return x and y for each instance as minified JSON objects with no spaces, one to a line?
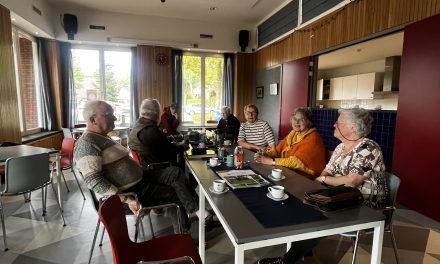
{"x":336,"y":88}
{"x":353,"y":87}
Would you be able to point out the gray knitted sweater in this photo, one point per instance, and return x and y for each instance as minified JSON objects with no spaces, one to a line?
{"x":105,"y":165}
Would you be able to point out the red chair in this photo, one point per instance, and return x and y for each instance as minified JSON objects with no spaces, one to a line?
{"x":175,"y":248}
{"x":135,"y":156}
{"x":66,"y":161}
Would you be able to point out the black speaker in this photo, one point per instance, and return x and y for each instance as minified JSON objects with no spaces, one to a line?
{"x":243,"y":39}
{"x":70,"y":24}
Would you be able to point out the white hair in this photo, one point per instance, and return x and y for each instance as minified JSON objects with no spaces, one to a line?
{"x":150,"y":108}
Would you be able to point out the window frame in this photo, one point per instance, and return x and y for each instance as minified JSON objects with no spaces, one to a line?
{"x":18,"y":33}
{"x":101,"y":50}
{"x":203,"y":56}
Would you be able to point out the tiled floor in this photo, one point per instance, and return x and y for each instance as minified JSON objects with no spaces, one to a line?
{"x":36,"y":239}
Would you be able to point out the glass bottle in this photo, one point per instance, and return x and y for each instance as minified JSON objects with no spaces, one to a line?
{"x":238,"y":157}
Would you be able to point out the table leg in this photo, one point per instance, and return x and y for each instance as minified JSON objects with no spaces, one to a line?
{"x":202,"y":225}
{"x":239,"y":255}
{"x":376,"y":251}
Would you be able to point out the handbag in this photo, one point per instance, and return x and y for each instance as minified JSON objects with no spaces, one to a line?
{"x":334,"y":198}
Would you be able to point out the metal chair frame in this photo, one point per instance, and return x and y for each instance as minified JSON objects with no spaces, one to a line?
{"x":30,"y":173}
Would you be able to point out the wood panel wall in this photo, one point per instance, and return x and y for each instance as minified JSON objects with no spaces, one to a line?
{"x":154,"y":80}
{"x":243,"y":82}
{"x":9,"y":117}
{"x":52,"y":141}
{"x":356,"y":20}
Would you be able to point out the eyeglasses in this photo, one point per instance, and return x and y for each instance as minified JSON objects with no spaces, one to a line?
{"x":298,"y":120}
{"x":251,"y":113}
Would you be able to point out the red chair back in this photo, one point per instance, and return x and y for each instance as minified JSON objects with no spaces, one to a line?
{"x":135,"y":156}
{"x":67,"y":152}
{"x":125,"y":251}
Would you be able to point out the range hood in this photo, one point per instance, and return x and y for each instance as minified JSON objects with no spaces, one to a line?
{"x":391,"y":74}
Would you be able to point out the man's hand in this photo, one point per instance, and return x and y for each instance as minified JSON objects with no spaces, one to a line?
{"x":184,"y":145}
{"x":133,"y":205}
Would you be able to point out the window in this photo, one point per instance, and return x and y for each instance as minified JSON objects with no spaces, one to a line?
{"x":28,"y":89}
{"x":103,"y":74}
{"x":202,"y":88}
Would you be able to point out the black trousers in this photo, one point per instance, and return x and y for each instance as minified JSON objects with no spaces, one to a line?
{"x":299,"y":249}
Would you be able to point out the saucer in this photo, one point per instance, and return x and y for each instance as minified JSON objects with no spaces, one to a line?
{"x":275,"y":179}
{"x":269,"y":195}
{"x":218,"y":164}
{"x":211,"y":189}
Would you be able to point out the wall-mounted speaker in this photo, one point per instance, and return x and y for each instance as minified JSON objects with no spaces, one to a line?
{"x":243,"y":39}
{"x":70,"y":24}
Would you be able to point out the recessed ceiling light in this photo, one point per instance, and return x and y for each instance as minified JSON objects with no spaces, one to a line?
{"x":213,"y":8}
{"x":36,"y":32}
{"x":13,"y":18}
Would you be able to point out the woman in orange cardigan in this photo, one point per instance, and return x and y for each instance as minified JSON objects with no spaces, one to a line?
{"x":303,"y":149}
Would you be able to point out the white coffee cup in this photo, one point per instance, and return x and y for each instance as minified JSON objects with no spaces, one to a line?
{"x":219,"y":185}
{"x":227,"y":142}
{"x":276,"y":191}
{"x":213,"y":162}
{"x":276,"y":173}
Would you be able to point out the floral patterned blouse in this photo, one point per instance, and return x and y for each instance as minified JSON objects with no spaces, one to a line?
{"x":365,"y":159}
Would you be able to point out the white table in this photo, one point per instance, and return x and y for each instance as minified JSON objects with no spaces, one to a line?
{"x":26,"y":150}
{"x":244,"y":230}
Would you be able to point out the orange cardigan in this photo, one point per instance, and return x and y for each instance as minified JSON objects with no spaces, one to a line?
{"x":304,"y":152}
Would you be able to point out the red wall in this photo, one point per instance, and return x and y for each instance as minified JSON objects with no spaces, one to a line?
{"x":417,"y":142}
{"x":294,"y":91}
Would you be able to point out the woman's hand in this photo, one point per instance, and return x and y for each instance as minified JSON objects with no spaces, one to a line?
{"x":262,"y":159}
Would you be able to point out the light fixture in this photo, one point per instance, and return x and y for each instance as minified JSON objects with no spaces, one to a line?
{"x":213,"y":8}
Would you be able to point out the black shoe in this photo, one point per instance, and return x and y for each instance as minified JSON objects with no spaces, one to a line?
{"x":277,"y":260}
{"x":210,"y":223}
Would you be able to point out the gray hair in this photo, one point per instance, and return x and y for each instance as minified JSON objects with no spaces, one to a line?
{"x":306,"y":114}
{"x":150,"y":108}
{"x":227,"y":109}
{"x":91,"y":108}
{"x":360,"y":119}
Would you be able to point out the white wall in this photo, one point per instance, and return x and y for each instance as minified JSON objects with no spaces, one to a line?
{"x":23,"y":8}
{"x":149,"y":28}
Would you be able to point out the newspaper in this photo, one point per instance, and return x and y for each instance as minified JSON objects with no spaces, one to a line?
{"x":242,"y":178}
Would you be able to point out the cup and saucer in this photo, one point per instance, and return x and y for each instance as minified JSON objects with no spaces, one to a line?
{"x":277,"y":193}
{"x":219,"y":187}
{"x":214,"y":162}
{"x":276,"y":175}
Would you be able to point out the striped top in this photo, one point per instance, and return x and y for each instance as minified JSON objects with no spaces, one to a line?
{"x":258,"y":133}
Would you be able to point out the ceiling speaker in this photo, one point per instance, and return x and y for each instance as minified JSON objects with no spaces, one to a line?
{"x":70,"y":25}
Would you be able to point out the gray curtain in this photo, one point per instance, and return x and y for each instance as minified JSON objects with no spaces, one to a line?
{"x":70,"y":116}
{"x":177,"y":56}
{"x":228,"y":81}
{"x":134,"y":87}
{"x":47,"y":105}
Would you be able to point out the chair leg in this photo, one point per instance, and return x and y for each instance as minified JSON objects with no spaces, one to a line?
{"x":79,"y":185}
{"x":3,"y":225}
{"x":64,"y":178}
{"x":393,"y":239}
{"x":355,"y":247}
{"x":43,"y":199}
{"x":59,"y":204}
{"x":102,"y":236}
{"x":94,"y":241}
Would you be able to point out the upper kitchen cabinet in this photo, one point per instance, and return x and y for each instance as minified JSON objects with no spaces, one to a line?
{"x":368,"y":83}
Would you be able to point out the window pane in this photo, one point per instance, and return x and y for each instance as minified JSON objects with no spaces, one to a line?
{"x":86,"y":78}
{"x":29,"y":88}
{"x":192,"y":89}
{"x":117,"y":84}
{"x":213,"y":88}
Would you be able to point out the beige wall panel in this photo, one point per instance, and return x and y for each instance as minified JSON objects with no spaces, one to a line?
{"x":9,"y":118}
{"x":154,"y":79}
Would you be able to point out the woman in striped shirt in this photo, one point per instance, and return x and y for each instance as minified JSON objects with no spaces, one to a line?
{"x":255,"y":133}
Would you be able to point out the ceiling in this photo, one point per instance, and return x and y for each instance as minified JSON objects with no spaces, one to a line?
{"x":367,"y":51}
{"x":226,"y":11}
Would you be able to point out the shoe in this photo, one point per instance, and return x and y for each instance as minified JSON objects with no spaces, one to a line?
{"x":277,"y":260}
{"x":210,"y":223}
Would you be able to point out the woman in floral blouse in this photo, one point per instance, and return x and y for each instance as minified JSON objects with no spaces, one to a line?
{"x":357,"y":161}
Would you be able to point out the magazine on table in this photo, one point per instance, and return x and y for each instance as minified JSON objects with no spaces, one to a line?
{"x":242,"y":178}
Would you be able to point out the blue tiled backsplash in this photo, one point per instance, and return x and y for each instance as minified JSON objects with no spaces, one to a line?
{"x":382,"y":130}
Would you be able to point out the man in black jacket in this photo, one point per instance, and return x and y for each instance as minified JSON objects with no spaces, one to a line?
{"x":228,"y":125}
